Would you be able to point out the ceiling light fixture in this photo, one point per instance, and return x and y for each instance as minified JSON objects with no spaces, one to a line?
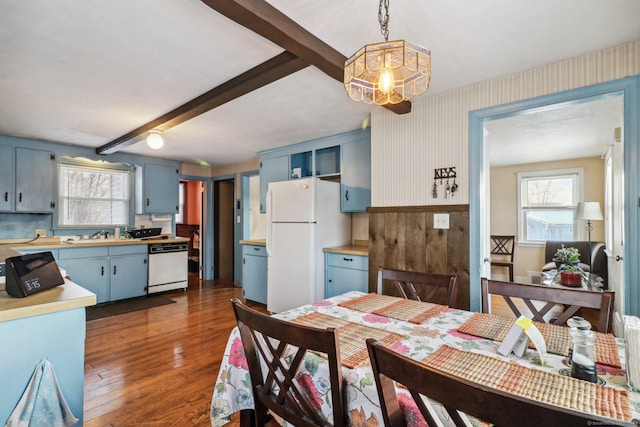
{"x":387,"y":72}
{"x":155,"y":140}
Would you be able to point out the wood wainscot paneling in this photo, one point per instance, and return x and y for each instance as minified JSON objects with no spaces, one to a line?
{"x":403,"y":237}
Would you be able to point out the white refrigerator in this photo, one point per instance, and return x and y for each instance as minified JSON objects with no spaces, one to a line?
{"x":303,"y":217}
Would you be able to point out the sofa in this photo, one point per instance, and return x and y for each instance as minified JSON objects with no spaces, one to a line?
{"x":598,"y":256}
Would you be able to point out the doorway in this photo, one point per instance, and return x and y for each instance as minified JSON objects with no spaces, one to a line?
{"x":479,"y":172}
{"x":189,"y":222}
{"x":223,"y":228}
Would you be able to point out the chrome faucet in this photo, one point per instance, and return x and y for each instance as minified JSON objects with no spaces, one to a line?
{"x":100,"y":233}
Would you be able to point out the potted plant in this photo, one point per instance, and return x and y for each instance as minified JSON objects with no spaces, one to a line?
{"x":568,"y":255}
{"x":570,"y":273}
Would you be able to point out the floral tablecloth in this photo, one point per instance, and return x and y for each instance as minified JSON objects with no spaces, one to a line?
{"x":232,"y":391}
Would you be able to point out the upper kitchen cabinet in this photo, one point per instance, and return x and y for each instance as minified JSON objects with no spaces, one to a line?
{"x":29,"y":186}
{"x":345,"y":158}
{"x":271,"y":170}
{"x":355,"y":182}
{"x":35,"y":178}
{"x":6,"y":178}
{"x":157,"y":189}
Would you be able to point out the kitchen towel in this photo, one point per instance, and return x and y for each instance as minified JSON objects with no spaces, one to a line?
{"x":42,"y":403}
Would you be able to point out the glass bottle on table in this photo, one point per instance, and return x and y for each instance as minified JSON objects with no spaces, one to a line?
{"x":583,"y":365}
{"x":582,"y":350}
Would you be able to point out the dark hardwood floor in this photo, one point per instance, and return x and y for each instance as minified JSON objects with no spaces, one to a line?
{"x":158,"y":367}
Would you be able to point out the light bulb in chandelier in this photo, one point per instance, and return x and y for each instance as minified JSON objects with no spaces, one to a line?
{"x":386,"y":80}
{"x":155,"y":140}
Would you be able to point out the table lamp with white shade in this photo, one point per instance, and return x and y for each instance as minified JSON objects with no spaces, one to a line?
{"x":589,"y":211}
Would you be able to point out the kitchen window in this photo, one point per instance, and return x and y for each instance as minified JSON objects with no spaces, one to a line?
{"x":93,"y":196}
{"x":546,"y":205}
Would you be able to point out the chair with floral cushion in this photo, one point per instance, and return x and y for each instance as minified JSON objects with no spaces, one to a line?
{"x":275,"y":351}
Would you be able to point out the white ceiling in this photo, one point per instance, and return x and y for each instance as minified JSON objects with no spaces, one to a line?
{"x":563,"y":131}
{"x":86,"y":72}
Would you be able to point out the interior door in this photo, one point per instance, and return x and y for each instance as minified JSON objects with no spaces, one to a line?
{"x":485,"y":207}
{"x":614,"y":218}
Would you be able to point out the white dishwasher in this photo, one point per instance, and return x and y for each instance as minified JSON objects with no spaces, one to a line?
{"x":168,"y":266}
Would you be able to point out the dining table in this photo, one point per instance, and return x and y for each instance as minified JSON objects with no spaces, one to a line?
{"x":431,"y":334}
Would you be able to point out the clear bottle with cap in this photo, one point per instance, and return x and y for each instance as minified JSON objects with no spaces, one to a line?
{"x":582,"y":350}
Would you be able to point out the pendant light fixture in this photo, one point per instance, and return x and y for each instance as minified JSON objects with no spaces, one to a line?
{"x":155,"y":140}
{"x":387,"y":72}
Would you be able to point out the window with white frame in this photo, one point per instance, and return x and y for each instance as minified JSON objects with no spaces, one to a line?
{"x":93,"y":196}
{"x":546,"y":205}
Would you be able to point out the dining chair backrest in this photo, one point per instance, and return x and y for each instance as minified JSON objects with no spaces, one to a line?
{"x":275,"y":351}
{"x":410,"y":284}
{"x":457,"y":395}
{"x":502,"y":252}
{"x":565,"y":301}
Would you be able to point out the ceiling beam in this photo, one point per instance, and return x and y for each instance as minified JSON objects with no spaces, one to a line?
{"x":264,"y":19}
{"x":274,"y":69}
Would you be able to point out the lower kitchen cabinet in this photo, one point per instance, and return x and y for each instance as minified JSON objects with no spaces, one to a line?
{"x":254,"y":273}
{"x":90,"y":273}
{"x":345,"y":273}
{"x":128,"y":269}
{"x":111,"y":272}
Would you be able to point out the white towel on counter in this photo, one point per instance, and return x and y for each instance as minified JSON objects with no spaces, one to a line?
{"x":42,"y":403}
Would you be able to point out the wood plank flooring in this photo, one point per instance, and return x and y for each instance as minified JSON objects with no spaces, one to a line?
{"x":157,"y":367}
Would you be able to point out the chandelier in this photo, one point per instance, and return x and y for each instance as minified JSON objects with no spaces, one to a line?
{"x":387,"y":72}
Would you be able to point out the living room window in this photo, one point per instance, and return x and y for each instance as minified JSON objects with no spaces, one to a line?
{"x":546,"y":205}
{"x":93,"y":196}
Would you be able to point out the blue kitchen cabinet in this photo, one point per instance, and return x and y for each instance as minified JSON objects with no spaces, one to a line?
{"x":90,"y":273}
{"x":35,"y":180}
{"x":327,"y":161}
{"x":345,"y":273}
{"x":89,"y":268}
{"x":355,"y":180}
{"x":254,"y":273}
{"x":345,"y":158}
{"x":157,"y":189}
{"x":271,"y":170}
{"x":111,"y":272}
{"x":7,"y":176}
{"x":28,"y":183}
{"x":128,"y":270}
{"x":58,"y":337}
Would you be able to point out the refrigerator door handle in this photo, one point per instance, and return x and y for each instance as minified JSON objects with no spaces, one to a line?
{"x":269,"y":222}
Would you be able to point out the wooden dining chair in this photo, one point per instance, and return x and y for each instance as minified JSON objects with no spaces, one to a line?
{"x":502,"y":251}
{"x":428,"y":284}
{"x":460,"y":397}
{"x":275,"y":350}
{"x":565,"y":302}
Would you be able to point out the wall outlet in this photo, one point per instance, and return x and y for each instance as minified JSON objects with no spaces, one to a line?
{"x":441,"y":221}
{"x":40,"y":232}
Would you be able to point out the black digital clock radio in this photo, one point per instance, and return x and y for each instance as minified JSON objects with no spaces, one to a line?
{"x":32,"y":273}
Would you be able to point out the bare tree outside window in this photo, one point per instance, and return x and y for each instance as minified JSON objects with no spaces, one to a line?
{"x":93,"y":197}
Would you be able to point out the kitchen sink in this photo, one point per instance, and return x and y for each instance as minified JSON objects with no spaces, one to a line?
{"x":85,"y":241}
